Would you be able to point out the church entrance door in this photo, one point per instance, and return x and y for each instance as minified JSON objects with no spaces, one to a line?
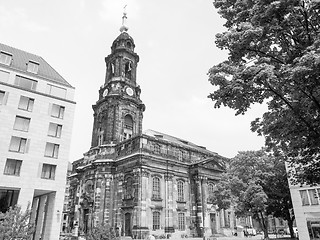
{"x":127,"y":224}
{"x":213,"y":223}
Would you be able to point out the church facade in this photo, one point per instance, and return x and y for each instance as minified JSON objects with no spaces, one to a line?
{"x":136,"y":182}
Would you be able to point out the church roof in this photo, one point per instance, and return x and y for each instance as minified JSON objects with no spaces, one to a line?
{"x":20,"y":59}
{"x":123,"y":36}
{"x":175,"y":140}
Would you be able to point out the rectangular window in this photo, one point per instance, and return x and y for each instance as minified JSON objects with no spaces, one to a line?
{"x":156,"y":188}
{"x":2,"y":94}
{"x":100,"y":139}
{"x":56,"y":91}
{"x":4,"y":76}
{"x":313,"y":197}
{"x":26,"y":103}
{"x":156,"y":220}
{"x":8,"y":198}
{"x":5,"y":58}
{"x":33,"y":67}
{"x":3,"y":97}
{"x":25,"y":83}
{"x":281,"y":222}
{"x":21,"y":124}
{"x":304,"y":197}
{"x":12,"y":167}
{"x":52,"y":150}
{"x":57,"y":111}
{"x":18,"y":144}
{"x":48,"y":171}
{"x":180,"y":186}
{"x":181,"y":222}
{"x":54,"y":130}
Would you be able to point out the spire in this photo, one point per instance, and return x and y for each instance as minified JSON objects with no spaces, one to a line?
{"x":124,"y":20}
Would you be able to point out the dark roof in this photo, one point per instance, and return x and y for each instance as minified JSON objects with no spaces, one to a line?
{"x":123,"y":36}
{"x":176,"y":140}
{"x":21,"y":58}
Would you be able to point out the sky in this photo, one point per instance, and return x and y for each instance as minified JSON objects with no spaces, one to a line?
{"x":175,"y":42}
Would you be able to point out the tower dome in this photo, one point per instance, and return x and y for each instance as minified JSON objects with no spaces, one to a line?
{"x":124,"y":40}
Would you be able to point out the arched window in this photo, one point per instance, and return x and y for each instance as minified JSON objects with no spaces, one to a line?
{"x":156,"y":220}
{"x":128,"y":127}
{"x":181,"y":222}
{"x":180,"y":186}
{"x":100,"y":139}
{"x":129,"y":45}
{"x":156,"y":188}
{"x":210,"y":189}
{"x":128,"y":122}
{"x":112,"y":69}
{"x":127,"y":70}
{"x":156,"y":148}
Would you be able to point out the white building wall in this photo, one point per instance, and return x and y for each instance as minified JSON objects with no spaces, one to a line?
{"x":30,"y":182}
{"x":304,"y":213}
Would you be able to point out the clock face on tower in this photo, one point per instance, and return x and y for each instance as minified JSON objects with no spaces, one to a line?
{"x":129,"y":91}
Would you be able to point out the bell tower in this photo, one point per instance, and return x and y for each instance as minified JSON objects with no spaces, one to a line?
{"x":119,"y":111}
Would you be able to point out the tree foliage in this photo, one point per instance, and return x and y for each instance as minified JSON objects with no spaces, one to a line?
{"x":16,"y":225}
{"x":101,"y":232}
{"x":256,"y":185}
{"x":274,"y":58}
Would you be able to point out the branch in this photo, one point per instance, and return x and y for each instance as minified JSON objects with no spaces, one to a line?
{"x":305,"y":15}
{"x":293,"y":109}
{"x":265,"y":54}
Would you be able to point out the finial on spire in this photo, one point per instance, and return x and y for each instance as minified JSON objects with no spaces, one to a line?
{"x":124,"y":20}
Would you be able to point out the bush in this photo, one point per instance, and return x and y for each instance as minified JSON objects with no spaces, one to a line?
{"x":15,"y":224}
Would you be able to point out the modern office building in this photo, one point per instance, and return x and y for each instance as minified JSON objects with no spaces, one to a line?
{"x":36,"y":115}
{"x":306,"y":205}
{"x":137,"y":182}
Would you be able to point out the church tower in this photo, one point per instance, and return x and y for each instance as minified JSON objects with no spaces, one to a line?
{"x":119,"y":111}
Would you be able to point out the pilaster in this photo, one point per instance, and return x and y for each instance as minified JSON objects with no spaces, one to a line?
{"x":169,"y":202}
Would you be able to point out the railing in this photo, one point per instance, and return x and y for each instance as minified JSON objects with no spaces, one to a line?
{"x":135,"y":145}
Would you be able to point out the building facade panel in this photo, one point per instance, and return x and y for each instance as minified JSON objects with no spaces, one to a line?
{"x":25,"y":115}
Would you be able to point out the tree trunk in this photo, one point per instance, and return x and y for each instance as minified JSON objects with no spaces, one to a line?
{"x":264,"y":224}
{"x":290,"y":225}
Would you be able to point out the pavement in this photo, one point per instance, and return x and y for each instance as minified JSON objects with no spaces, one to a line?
{"x":257,"y":237}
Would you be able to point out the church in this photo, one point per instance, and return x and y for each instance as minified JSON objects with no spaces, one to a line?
{"x":141,"y":182}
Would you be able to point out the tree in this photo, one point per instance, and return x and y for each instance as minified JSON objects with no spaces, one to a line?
{"x":277,"y":189}
{"x":101,"y":232}
{"x":274,"y":58}
{"x":255,"y":183}
{"x":15,"y":224}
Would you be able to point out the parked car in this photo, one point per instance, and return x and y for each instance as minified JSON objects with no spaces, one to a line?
{"x":251,"y":231}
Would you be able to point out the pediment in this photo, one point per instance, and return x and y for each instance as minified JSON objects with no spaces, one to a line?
{"x":212,"y":163}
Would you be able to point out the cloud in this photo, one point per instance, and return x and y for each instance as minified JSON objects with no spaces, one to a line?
{"x":34,"y":27}
{"x":18,"y":17}
{"x":113,"y":10}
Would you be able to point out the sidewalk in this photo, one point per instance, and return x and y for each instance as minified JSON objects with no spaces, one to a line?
{"x":257,"y":237}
